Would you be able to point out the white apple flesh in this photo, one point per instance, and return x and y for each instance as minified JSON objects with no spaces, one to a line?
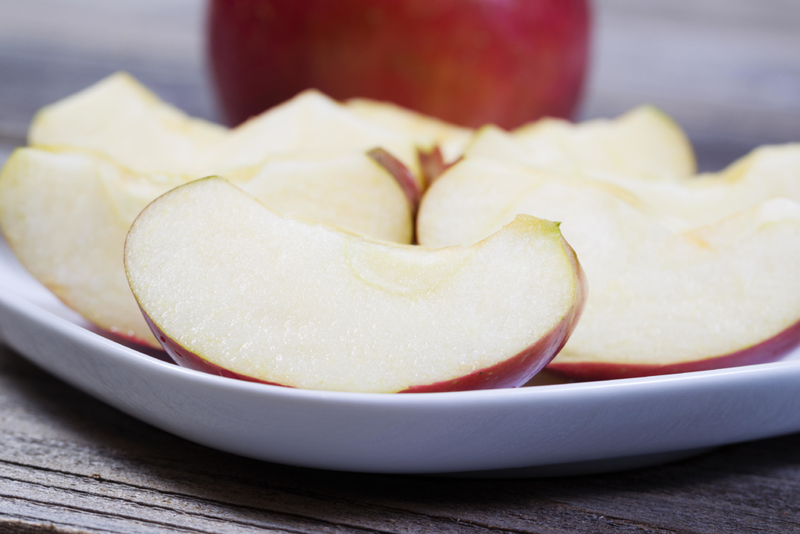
{"x":121,"y":119}
{"x":66,"y":215}
{"x":644,"y":142}
{"x":310,"y":121}
{"x":662,"y":300}
{"x":232,"y":288}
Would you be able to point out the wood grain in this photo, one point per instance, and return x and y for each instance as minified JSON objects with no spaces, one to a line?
{"x":69,"y":461}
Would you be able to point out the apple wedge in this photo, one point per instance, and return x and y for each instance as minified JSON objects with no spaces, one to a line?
{"x":120,"y":118}
{"x":767,"y":172}
{"x":351,"y":190}
{"x":661,"y":301}
{"x":644,"y":142}
{"x":310,"y":121}
{"x":66,"y":215}
{"x":232,"y":288}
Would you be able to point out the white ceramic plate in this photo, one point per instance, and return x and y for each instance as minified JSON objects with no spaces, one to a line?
{"x":543,"y":430}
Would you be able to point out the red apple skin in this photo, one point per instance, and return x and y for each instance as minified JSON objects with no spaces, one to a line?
{"x":769,"y":350}
{"x":402,"y":176}
{"x":433,"y":164}
{"x":470,"y":62}
{"x":190,"y":360}
{"x":510,"y":373}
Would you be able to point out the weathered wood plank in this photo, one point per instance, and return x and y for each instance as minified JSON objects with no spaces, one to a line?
{"x":72,"y":461}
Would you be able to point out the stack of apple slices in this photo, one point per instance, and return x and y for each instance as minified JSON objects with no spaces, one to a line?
{"x":100,"y":156}
{"x":664,"y":297}
{"x":297,"y":269}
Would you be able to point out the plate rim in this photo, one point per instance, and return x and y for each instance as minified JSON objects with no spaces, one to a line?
{"x":49,"y":319}
{"x":529,"y":455}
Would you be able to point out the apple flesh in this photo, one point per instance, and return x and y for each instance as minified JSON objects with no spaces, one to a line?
{"x":66,"y":215}
{"x":469,"y":63}
{"x":662,"y":300}
{"x":120,"y":118}
{"x":233,"y":288}
{"x":369,"y":194}
{"x":681,"y":202}
{"x":767,"y":172}
{"x":643,"y":143}
{"x":309,"y":121}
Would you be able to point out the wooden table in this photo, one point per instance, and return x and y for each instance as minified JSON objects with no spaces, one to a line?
{"x":728,"y":70}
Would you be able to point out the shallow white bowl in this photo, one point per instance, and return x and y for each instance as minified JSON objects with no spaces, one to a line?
{"x":542,"y":430}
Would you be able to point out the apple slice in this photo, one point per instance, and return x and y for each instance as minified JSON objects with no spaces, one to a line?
{"x":765,"y":173}
{"x":232,"y":288}
{"x":351,"y":190}
{"x":310,"y":121}
{"x":662,"y":300}
{"x":66,"y":215}
{"x":120,"y":118}
{"x":644,"y":142}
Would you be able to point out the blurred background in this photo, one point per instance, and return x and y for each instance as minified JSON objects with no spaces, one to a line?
{"x":727,"y":70}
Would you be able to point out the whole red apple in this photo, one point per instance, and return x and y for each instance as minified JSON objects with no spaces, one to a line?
{"x":470,"y":62}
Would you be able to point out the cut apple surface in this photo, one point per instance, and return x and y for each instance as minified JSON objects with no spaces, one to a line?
{"x":351,"y":190}
{"x":120,"y":118}
{"x":767,"y":172}
{"x":644,"y":142}
{"x":235,"y":289}
{"x":661,"y":300}
{"x":310,"y":121}
{"x":66,"y":215}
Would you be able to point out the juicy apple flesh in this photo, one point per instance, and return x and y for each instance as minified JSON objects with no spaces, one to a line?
{"x":122,"y":119}
{"x":66,"y":215}
{"x":309,"y":121}
{"x":661,"y":300}
{"x":644,"y":142}
{"x":233,"y":288}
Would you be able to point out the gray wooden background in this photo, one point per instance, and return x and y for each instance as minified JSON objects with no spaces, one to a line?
{"x":727,"y":70}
